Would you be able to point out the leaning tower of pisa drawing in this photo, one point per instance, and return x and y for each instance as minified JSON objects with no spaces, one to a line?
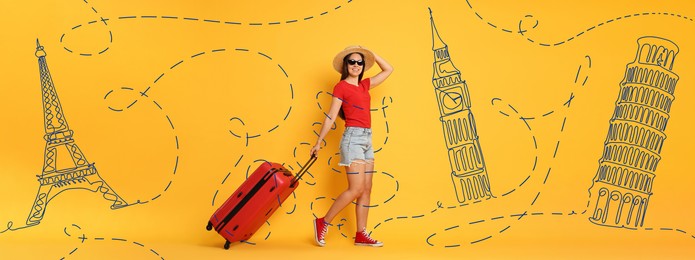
{"x":623,"y":184}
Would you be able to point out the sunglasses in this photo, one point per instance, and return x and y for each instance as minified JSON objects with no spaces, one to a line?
{"x":358,"y":62}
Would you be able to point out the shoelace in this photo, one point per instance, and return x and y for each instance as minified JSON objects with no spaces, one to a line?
{"x":366,"y":236}
{"x":324,"y":230}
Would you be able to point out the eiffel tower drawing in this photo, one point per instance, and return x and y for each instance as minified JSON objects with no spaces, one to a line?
{"x":78,"y":173}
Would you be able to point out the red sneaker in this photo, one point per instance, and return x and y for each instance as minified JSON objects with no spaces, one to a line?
{"x":363,"y":239}
{"x":320,"y":229}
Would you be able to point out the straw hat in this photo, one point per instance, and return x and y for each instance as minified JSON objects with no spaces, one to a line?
{"x":368,"y":57}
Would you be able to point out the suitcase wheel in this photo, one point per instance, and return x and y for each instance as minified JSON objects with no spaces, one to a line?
{"x":226,"y":245}
{"x":209,"y":227}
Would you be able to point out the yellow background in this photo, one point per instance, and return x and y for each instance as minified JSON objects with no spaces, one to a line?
{"x":136,"y":151}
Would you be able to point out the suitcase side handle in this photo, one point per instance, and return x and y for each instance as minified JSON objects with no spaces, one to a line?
{"x":304,"y":169}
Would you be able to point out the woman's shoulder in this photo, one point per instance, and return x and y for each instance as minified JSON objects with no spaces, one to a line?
{"x":339,"y":87}
{"x":366,"y":82}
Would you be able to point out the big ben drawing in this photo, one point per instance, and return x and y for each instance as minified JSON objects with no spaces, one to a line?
{"x":468,"y":172}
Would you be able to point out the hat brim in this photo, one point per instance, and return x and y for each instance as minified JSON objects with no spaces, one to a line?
{"x":368,"y":57}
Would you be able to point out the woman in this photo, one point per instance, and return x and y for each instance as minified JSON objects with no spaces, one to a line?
{"x":352,"y":101}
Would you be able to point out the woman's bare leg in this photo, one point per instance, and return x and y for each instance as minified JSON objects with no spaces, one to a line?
{"x":356,"y":186}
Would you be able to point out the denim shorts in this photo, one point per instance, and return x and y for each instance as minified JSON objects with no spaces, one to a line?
{"x":356,"y":144}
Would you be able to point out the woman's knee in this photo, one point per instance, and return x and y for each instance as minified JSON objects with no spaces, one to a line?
{"x":356,"y":190}
{"x":366,"y":190}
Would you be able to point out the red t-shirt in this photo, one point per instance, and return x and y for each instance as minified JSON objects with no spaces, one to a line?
{"x":356,"y":102}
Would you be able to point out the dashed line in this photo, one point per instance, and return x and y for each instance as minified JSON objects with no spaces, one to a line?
{"x":311,"y":207}
{"x":208,"y":21}
{"x":521,"y":215}
{"x":505,"y":229}
{"x":155,"y":81}
{"x":481,"y":240}
{"x":383,"y":108}
{"x":534,"y":199}
{"x":103,"y":239}
{"x":171,"y":124}
{"x":545,"y":44}
{"x":249,"y":135}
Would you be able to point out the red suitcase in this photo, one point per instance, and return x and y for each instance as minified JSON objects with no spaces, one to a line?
{"x":254,"y":201}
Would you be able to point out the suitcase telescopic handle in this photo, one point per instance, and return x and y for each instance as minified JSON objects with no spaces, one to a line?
{"x":304,"y":169}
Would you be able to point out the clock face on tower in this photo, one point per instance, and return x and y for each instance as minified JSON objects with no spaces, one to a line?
{"x":450,"y":100}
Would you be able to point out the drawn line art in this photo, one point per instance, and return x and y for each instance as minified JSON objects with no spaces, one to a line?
{"x":340,"y":227}
{"x":246,"y":135}
{"x":285,"y":203}
{"x":517,"y":216}
{"x":580,"y":79}
{"x":385,"y":103}
{"x":309,"y":178}
{"x":181,"y":18}
{"x":635,"y":137}
{"x":387,"y":200}
{"x":468,"y":171}
{"x":101,"y":20}
{"x":58,"y":176}
{"x":176,"y":138}
{"x":84,"y":238}
{"x":235,"y":122}
{"x":526,"y":120}
{"x":248,"y":169}
{"x":648,"y":85}
{"x":239,"y":122}
{"x":523,"y":26}
{"x":266,"y":222}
